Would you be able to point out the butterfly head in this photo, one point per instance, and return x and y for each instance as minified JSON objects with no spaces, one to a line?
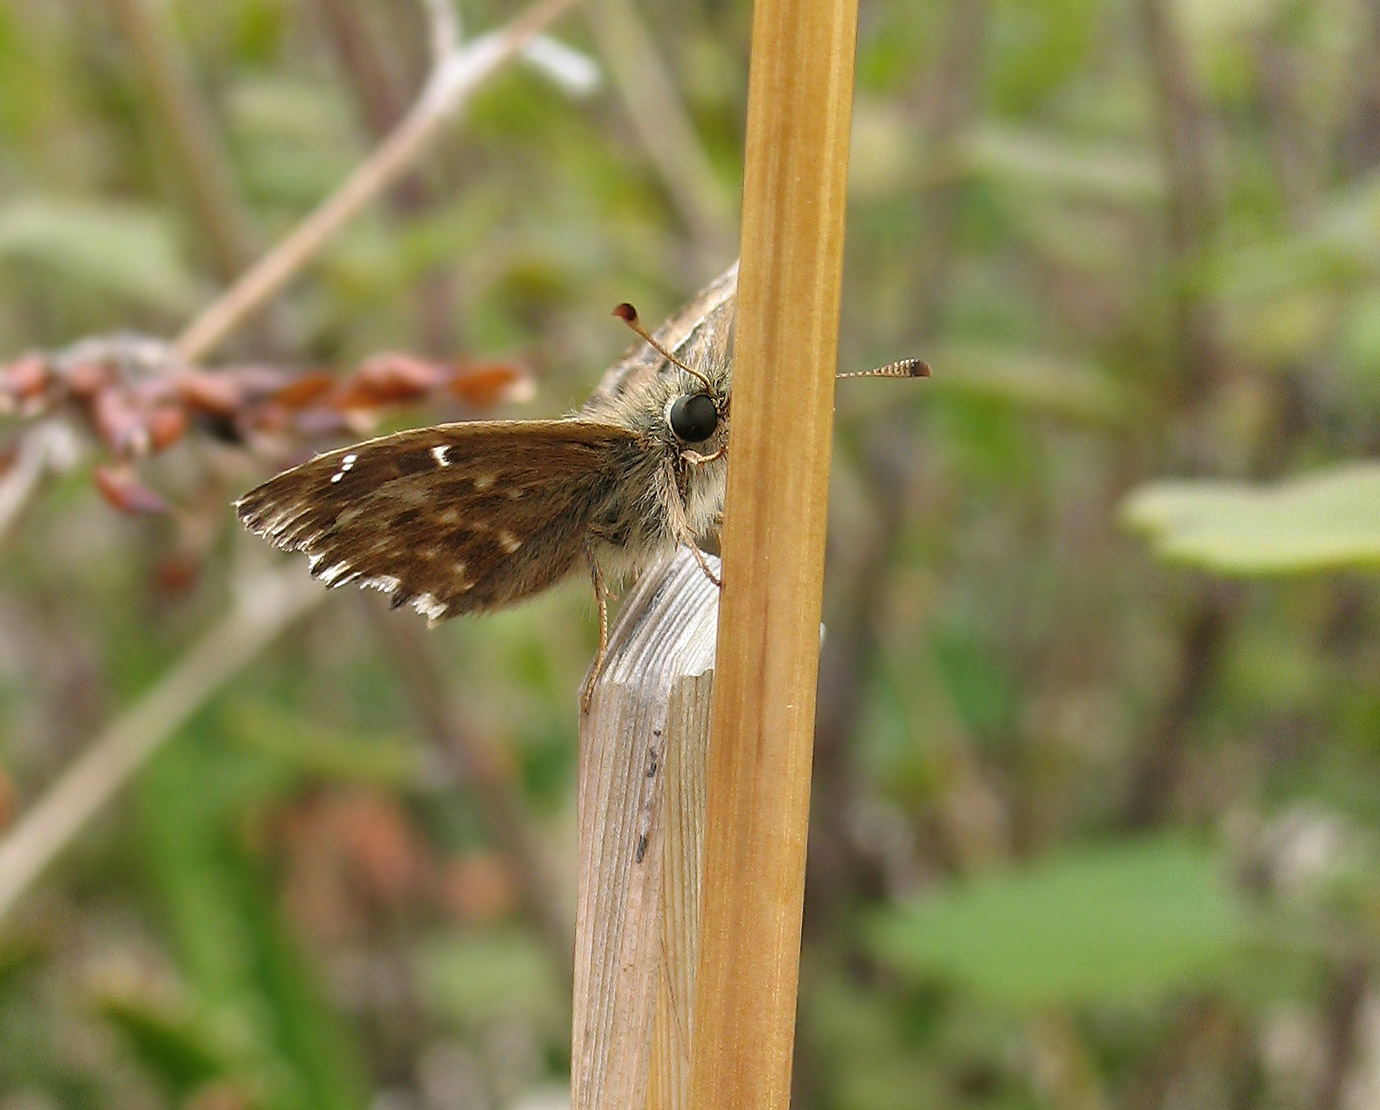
{"x":696,"y":412}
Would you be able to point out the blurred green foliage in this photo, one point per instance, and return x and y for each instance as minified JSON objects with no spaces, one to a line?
{"x":1096,"y":809}
{"x":1120,"y":923}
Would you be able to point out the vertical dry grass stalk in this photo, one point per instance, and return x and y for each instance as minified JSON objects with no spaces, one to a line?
{"x":799,"y":107}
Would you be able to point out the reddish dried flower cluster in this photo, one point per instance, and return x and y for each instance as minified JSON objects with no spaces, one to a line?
{"x":137,"y":400}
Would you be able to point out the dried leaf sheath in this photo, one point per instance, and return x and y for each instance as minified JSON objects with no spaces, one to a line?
{"x":458,"y":518}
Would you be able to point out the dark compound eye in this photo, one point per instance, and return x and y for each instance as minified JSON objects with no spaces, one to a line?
{"x":694,"y":417}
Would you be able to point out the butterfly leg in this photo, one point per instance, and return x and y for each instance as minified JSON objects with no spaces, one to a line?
{"x":601,"y":595}
{"x":680,"y":527}
{"x":689,"y":542}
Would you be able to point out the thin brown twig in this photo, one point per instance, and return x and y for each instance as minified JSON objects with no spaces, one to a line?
{"x":1347,"y":995}
{"x":1192,"y":206}
{"x":1293,"y":143}
{"x":1200,"y":357}
{"x":358,"y":55}
{"x":447,"y":89}
{"x":265,"y":609}
{"x":1359,"y":144}
{"x":1204,"y":637}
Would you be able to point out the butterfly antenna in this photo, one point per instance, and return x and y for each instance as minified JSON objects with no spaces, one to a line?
{"x":902,"y":368}
{"x":628,"y":315}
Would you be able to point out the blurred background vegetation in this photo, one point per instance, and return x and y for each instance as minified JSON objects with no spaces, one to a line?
{"x":1096,"y":815}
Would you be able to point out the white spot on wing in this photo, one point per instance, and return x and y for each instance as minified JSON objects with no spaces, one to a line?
{"x":345,"y":464}
{"x":484,"y":481}
{"x":439,"y":454}
{"x":506,"y":540}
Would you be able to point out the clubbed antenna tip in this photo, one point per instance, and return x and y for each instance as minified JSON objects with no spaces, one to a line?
{"x":628,"y":315}
{"x":902,"y":368}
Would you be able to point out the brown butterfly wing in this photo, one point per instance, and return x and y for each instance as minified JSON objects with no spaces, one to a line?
{"x":455,"y":519}
{"x":699,"y":333}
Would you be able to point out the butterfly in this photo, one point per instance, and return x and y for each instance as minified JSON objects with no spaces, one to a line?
{"x":475,"y":516}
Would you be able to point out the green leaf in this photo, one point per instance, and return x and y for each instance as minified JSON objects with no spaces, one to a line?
{"x":118,"y":248}
{"x":1326,"y":520}
{"x":1126,"y":922}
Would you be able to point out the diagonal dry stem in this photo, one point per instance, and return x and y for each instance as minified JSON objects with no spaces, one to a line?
{"x":448,"y":88}
{"x":264,"y":611}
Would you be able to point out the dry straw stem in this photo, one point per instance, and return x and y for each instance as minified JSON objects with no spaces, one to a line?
{"x":799,"y":106}
{"x":641,"y":812}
